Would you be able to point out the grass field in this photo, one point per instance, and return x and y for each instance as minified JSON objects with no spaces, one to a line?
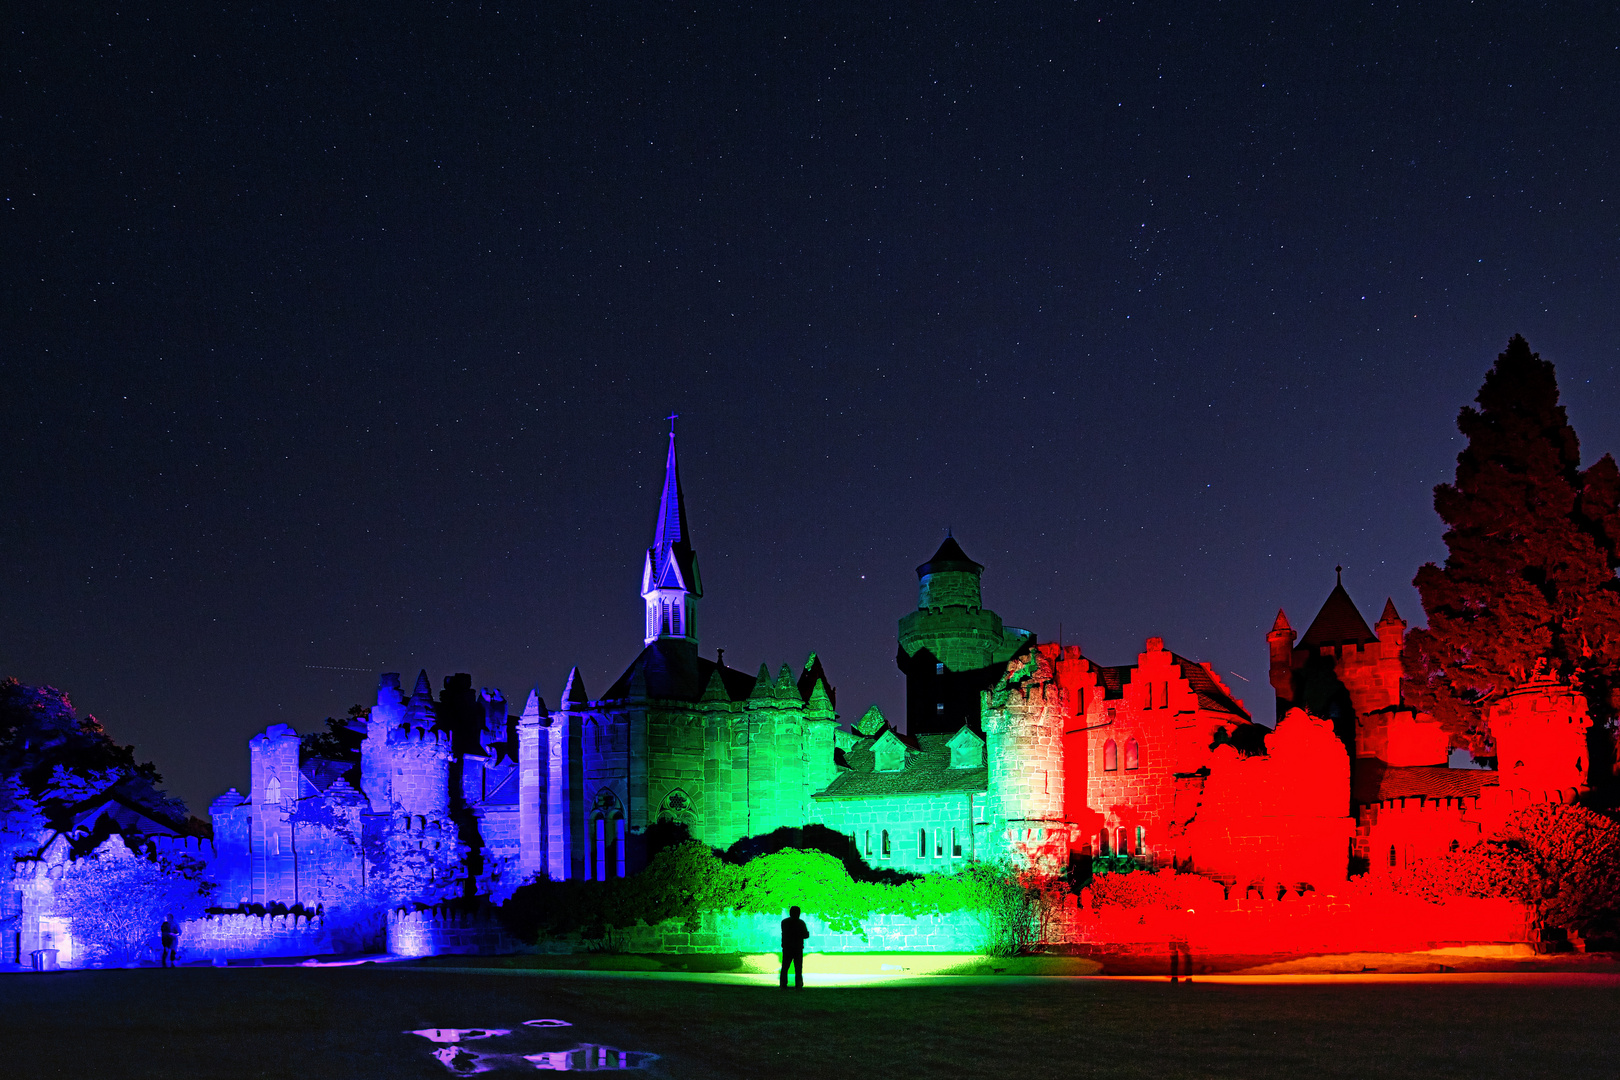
{"x":352,"y":1022}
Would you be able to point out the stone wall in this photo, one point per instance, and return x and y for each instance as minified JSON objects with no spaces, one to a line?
{"x":438,"y":931}
{"x":941,"y":814}
{"x":231,"y":937}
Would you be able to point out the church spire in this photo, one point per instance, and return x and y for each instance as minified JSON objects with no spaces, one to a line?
{"x":670,"y":585}
{"x":671,"y":528}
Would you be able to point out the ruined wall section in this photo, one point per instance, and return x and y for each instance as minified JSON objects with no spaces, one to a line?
{"x":1025,"y":717}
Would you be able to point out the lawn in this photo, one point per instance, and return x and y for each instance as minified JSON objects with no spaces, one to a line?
{"x":351,"y":1023}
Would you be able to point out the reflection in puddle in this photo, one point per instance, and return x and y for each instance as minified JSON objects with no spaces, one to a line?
{"x":585,"y":1057}
{"x":459,"y":1035}
{"x":590,"y":1057}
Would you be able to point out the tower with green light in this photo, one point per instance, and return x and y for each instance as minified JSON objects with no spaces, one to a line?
{"x":952,"y":648}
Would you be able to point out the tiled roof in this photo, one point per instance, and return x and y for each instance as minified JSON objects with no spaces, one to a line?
{"x":1113,"y":680}
{"x":321,"y":772}
{"x":928,"y":770}
{"x":1210,"y":694}
{"x":1373,"y":781}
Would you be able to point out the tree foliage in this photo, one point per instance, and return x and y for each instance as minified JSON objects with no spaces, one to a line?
{"x":1562,"y":862}
{"x":1533,"y":542}
{"x":688,"y":880}
{"x":117,"y":899}
{"x":58,"y":758}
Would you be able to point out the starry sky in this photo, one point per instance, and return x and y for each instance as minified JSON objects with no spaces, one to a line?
{"x":337,"y":339}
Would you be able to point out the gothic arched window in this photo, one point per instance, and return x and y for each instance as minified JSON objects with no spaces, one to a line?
{"x":885,"y":843}
{"x":1110,"y":756}
{"x":1133,"y":755}
{"x":272,"y":791}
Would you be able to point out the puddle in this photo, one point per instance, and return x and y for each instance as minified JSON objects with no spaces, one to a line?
{"x":589,"y":1056}
{"x":461,"y":1060}
{"x":459,"y":1035}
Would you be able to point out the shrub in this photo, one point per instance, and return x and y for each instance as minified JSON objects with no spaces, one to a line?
{"x":117,"y":899}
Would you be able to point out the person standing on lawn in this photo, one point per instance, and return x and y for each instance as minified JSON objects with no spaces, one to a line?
{"x":794,"y":935}
{"x":170,"y":933}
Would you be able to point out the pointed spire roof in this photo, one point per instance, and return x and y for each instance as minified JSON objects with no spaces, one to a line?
{"x":671,"y":562}
{"x":532,"y":708}
{"x":950,"y":556}
{"x":1281,"y":622}
{"x":1390,"y":614}
{"x":574,"y":689}
{"x":424,"y":688}
{"x":1338,"y":623}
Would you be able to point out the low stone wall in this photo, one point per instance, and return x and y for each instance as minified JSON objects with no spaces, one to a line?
{"x":232,"y":937}
{"x":961,"y":931}
{"x":437,"y":931}
{"x":1301,"y":925}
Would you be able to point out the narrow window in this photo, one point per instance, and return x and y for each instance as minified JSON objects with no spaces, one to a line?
{"x":675,"y":617}
{"x":868,"y":843}
{"x":1133,"y":754}
{"x":1110,"y":756}
{"x":275,"y":841}
{"x":272,"y":791}
{"x":956,"y":845}
{"x":1102,"y":843}
{"x":922,"y":843}
{"x":1392,"y":854}
{"x":1080,"y":699}
{"x":618,"y":846}
{"x":939,"y":669}
{"x":1123,"y":848}
{"x":1149,"y":695}
{"x":601,"y":850}
{"x":939,"y":709}
{"x":1141,"y":839}
{"x":1164,"y":696}
{"x":939,"y":843}
{"x":886,"y":843}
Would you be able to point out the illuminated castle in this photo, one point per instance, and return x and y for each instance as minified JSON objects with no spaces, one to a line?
{"x":1013,"y":749}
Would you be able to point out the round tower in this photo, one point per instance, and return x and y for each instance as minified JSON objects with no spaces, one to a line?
{"x":1024,"y":720}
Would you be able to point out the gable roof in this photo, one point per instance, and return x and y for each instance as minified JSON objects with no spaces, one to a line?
{"x":671,"y":668}
{"x":1338,"y":623}
{"x":928,"y":770}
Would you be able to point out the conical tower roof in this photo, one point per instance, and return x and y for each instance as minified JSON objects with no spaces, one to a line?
{"x":1338,"y":623}
{"x":950,"y":556}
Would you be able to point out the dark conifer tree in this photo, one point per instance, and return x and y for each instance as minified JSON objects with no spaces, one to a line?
{"x":1529,"y":582}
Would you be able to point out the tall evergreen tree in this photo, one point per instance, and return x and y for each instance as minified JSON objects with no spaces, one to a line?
{"x":1529,"y":582}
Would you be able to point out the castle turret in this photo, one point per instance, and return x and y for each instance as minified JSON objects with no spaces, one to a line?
{"x":951,"y":647}
{"x":531,"y":786}
{"x":375,"y":769}
{"x":670,"y":584}
{"x":1280,"y":641}
{"x":420,"y":757}
{"x":1025,"y":717}
{"x":275,"y":792}
{"x":565,"y":778}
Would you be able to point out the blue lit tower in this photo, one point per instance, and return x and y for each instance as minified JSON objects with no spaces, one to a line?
{"x":670,"y":584}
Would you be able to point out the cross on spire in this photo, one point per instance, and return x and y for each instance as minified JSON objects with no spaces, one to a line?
{"x":672,"y":417}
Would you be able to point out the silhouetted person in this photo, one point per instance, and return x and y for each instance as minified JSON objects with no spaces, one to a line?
{"x":794,"y":935}
{"x":170,"y":932}
{"x":1179,"y":951}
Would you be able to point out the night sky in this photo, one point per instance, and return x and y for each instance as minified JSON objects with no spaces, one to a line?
{"x":337,"y":339}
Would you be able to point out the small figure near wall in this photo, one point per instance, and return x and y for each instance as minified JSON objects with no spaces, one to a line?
{"x":794,"y":935}
{"x":170,"y":933}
